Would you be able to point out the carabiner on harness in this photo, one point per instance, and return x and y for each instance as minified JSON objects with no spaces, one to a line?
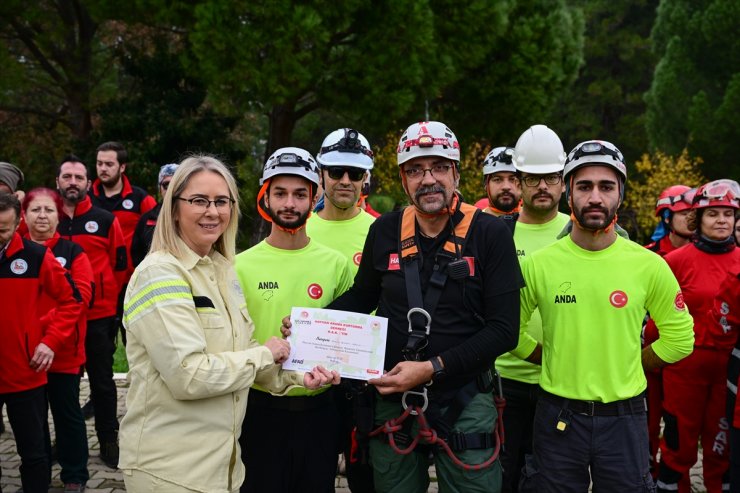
{"x":418,"y":339}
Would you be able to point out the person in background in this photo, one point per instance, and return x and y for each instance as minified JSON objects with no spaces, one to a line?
{"x":41,"y":207}
{"x":99,"y":234}
{"x":672,"y":232}
{"x":191,"y":354}
{"x":501,"y":182}
{"x":144,"y":232}
{"x":28,"y":271}
{"x":694,"y":392}
{"x":538,"y":160}
{"x":673,"y":207}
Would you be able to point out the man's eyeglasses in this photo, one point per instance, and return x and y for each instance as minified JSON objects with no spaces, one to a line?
{"x":201,"y":204}
{"x":165,"y":184}
{"x":534,"y":180}
{"x":337,"y":173}
{"x":437,"y":171}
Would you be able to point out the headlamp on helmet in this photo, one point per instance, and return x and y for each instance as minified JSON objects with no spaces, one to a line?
{"x":346,"y":147}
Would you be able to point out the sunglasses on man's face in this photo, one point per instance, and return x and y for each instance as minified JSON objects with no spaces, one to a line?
{"x":165,"y":184}
{"x":337,"y":173}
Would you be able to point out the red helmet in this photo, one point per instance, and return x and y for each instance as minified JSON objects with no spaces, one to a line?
{"x":718,"y":193}
{"x":675,"y":198}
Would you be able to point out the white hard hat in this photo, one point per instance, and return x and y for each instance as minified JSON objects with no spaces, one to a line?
{"x":291,"y":161}
{"x":498,"y":160}
{"x":539,"y":151}
{"x":428,"y":139}
{"x":346,"y":147}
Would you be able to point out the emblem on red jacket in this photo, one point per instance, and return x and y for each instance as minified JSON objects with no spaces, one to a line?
{"x":315,"y":291}
{"x":128,"y":204}
{"x":618,"y":299}
{"x":91,"y":226}
{"x":19,"y":266}
{"x":62,"y":261}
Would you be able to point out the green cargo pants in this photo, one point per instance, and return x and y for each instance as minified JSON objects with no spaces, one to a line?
{"x":394,"y":473}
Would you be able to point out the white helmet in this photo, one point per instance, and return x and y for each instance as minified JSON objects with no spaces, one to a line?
{"x":498,"y":160}
{"x":593,"y":152}
{"x":291,"y":161}
{"x":346,"y":147}
{"x":539,"y":151}
{"x":428,"y":139}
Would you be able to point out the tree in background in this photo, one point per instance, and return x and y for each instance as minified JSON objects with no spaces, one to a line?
{"x":533,"y":60}
{"x":694,"y":99}
{"x":367,"y":60}
{"x":654,"y":174}
{"x":606,"y":100}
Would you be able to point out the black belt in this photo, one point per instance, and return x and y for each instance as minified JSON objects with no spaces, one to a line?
{"x":296,"y":403}
{"x":633,"y":405}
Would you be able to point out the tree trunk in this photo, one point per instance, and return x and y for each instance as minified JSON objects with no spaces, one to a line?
{"x":282,"y":123}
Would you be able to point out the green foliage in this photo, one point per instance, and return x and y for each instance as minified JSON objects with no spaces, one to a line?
{"x":606,"y":100}
{"x":368,"y":61}
{"x":654,"y":174}
{"x":533,"y":59}
{"x":694,"y":99}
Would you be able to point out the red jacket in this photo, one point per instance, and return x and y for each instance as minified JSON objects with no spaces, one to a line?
{"x":99,"y":234}
{"x":699,"y":274}
{"x":128,"y":206}
{"x":724,"y":330}
{"x":71,"y":355}
{"x":26,"y":271}
{"x":662,"y":247}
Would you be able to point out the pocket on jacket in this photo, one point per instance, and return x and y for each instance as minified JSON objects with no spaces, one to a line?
{"x":211,"y":320}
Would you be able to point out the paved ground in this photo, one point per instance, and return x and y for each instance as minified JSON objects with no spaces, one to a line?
{"x":106,"y":480}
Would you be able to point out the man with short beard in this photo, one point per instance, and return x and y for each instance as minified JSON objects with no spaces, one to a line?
{"x":99,"y":233}
{"x":592,"y":288}
{"x":538,"y":160}
{"x":501,"y":182}
{"x":289,"y":443}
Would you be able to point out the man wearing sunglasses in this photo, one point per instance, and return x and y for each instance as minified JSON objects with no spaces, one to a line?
{"x":345,"y":160}
{"x":144,"y":232}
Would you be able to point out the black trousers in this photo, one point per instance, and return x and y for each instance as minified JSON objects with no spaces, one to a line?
{"x":521,"y":403}
{"x":100,"y":344}
{"x":63,"y":390}
{"x":359,"y":474}
{"x":290,"y":444}
{"x":27,"y":415}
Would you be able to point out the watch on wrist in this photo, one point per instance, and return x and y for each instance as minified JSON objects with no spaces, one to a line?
{"x":439,"y":370}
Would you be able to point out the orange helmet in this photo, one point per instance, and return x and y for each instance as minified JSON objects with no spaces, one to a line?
{"x":675,"y":198}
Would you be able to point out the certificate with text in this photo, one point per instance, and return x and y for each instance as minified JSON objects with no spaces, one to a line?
{"x":351,"y":343}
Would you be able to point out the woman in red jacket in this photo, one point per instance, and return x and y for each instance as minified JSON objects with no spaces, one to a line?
{"x":694,"y":388}
{"x":41,"y":207}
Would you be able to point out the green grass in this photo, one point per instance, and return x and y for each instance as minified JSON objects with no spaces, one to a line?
{"x":120,"y":363}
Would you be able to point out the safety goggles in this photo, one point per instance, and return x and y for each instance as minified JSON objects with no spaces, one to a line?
{"x":337,"y":173}
{"x":591,"y":148}
{"x":720,"y":189}
{"x":687,"y":198}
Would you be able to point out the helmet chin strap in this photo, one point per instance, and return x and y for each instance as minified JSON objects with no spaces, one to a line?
{"x":262,"y":209}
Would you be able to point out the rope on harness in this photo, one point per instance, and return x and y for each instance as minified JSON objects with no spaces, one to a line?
{"x":427,"y":435}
